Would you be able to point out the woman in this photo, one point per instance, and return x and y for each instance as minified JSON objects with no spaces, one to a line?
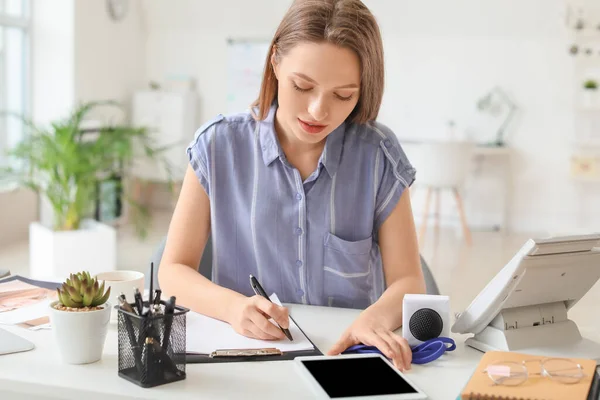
{"x":306,"y":192}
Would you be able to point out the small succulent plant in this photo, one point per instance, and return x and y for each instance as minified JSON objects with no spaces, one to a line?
{"x":81,"y":290}
{"x":590,"y":84}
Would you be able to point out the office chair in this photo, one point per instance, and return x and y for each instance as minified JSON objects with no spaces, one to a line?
{"x":205,"y":267}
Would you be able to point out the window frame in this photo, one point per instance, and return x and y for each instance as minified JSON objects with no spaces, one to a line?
{"x":21,"y":22}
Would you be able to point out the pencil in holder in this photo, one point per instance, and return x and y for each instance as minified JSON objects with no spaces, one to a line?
{"x":151,"y":346}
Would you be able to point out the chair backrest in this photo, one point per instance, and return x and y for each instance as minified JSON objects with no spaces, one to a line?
{"x":441,"y":164}
{"x":205,"y":267}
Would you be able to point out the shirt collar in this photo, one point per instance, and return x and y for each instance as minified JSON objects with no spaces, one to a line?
{"x":333,"y":150}
{"x":268,"y":139}
{"x":271,"y":148}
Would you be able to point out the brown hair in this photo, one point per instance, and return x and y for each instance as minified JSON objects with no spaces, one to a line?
{"x":345,"y":23}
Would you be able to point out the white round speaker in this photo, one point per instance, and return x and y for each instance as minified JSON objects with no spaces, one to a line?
{"x":425,"y":317}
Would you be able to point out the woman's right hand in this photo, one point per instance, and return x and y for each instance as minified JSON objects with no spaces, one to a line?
{"x":250,"y":317}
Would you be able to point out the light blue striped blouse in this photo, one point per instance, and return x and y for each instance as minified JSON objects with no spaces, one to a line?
{"x":311,"y":242}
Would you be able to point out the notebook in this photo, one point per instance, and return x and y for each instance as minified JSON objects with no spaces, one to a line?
{"x":481,"y":387}
{"x":205,"y":335}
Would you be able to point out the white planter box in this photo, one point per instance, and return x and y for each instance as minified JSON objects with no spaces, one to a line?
{"x":56,"y":254}
{"x":80,"y":335}
{"x":591,"y":99}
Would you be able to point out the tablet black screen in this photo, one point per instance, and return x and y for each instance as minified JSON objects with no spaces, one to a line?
{"x":349,"y":377}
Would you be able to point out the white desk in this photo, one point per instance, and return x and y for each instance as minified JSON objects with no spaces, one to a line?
{"x":40,"y":374}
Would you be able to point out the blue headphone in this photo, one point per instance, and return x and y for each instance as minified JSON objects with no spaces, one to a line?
{"x":423,"y":353}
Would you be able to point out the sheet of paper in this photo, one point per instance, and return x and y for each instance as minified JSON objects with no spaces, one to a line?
{"x":25,"y":301}
{"x":205,"y":335}
{"x":26,"y":313}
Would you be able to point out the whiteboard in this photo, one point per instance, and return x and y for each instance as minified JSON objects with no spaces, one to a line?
{"x":245,"y":63}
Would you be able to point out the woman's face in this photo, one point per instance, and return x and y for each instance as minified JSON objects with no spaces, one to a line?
{"x":318,"y":87}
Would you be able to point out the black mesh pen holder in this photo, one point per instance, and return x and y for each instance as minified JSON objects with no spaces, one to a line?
{"x":150,"y":347}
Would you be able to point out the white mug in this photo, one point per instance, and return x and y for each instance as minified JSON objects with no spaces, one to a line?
{"x":121,"y":282}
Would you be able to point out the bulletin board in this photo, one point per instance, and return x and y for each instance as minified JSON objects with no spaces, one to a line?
{"x":245,"y":63}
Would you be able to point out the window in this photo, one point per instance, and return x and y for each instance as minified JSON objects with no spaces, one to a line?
{"x":14,"y":70}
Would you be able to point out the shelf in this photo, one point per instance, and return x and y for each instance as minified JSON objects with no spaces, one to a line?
{"x":586,"y":148}
{"x":585,"y":179}
{"x":587,"y":35}
{"x":588,"y":110}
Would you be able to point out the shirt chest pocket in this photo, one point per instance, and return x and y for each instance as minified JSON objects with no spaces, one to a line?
{"x":348,"y":277}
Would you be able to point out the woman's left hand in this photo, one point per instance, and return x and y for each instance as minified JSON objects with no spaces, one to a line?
{"x":368,"y":330}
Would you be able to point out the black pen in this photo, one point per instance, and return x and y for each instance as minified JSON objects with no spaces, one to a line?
{"x":124,"y":304}
{"x":169,"y":310}
{"x":150,"y":294}
{"x":261,"y":292}
{"x":137,"y":351}
{"x":139,"y":301}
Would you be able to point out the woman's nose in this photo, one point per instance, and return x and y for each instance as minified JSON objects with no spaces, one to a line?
{"x":318,"y":109}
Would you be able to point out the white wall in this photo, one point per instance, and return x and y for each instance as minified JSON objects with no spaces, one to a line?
{"x":440,"y":58}
{"x":18,"y":208}
{"x":52,"y":59}
{"x":80,"y":54}
{"x":439,"y":64}
{"x":190,"y":40}
{"x":109,"y":55}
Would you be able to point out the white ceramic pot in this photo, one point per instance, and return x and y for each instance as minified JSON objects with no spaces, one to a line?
{"x":590,"y":99}
{"x":80,"y":336}
{"x":56,"y":254}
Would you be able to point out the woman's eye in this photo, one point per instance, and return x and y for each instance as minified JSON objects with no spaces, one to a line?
{"x":347,"y":98}
{"x":298,"y":88}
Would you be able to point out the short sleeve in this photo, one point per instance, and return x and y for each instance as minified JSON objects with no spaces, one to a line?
{"x":395,"y":174}
{"x":201,"y":150}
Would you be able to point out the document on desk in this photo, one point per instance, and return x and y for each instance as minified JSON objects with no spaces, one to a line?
{"x":25,"y":301}
{"x":205,"y":335}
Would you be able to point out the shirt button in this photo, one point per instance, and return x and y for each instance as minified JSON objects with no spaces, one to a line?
{"x":298,"y":263}
{"x":298,"y":196}
{"x":300,"y":292}
{"x":298,"y":231}
{"x":387,"y":143}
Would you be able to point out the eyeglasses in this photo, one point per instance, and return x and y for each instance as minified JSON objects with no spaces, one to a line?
{"x":513,"y":373}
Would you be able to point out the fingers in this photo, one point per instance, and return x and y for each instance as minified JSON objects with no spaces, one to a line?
{"x":391,"y":345}
{"x":406,"y":350}
{"x":255,"y":332}
{"x":394,"y":347}
{"x":249,"y":333}
{"x":342,"y":344}
{"x":402,"y":352}
{"x":266,"y":328}
{"x":251,"y":330}
{"x":278,"y":313}
{"x":374,"y":339}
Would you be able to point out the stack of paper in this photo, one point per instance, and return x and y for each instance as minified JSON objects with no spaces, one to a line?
{"x":205,"y":335}
{"x":25,"y":302}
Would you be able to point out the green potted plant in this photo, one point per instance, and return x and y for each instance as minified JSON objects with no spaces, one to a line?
{"x":65,"y":164}
{"x":590,"y":93}
{"x":590,"y":84}
{"x":80,"y":318}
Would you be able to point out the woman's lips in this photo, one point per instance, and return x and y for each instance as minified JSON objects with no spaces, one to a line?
{"x":310,"y":127}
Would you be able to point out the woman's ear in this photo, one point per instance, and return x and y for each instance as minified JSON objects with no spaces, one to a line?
{"x":274,"y":63}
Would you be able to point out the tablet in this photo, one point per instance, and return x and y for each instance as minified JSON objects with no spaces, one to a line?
{"x":11,"y":343}
{"x":356,"y":376}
